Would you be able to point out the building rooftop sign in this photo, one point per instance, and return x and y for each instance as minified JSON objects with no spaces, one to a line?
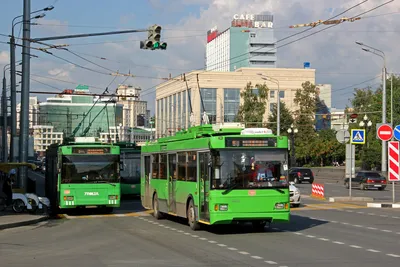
{"x":81,"y":87}
{"x":252,"y":21}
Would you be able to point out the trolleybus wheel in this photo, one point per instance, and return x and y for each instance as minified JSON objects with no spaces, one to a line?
{"x":191,"y":215}
{"x":156,"y":211}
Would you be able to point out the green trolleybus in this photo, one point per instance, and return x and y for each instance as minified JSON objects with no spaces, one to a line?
{"x":217,"y":175}
{"x":83,"y":174}
{"x":130,"y":175}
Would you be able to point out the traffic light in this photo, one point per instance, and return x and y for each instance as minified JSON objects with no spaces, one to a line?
{"x":153,"y":39}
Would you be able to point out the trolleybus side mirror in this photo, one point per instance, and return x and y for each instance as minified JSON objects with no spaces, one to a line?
{"x":121,"y":166}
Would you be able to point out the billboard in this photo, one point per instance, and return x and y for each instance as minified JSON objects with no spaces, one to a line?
{"x":252,"y":21}
{"x":212,"y":34}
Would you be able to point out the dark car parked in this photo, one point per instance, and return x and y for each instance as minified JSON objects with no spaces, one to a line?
{"x":299,"y":175}
{"x":367,"y":180}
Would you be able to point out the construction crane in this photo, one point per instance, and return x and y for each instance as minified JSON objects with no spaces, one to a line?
{"x":325,"y":22}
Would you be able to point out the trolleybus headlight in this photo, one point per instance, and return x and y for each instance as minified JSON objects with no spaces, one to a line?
{"x":68,"y":198}
{"x":113,"y":197}
{"x":223,"y":207}
{"x":280,"y":206}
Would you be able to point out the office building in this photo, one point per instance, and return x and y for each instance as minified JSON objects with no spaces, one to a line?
{"x":249,"y":42}
{"x":221,"y":95}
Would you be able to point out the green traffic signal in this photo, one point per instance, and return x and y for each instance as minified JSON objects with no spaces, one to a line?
{"x":163,"y":46}
{"x":156,"y":45}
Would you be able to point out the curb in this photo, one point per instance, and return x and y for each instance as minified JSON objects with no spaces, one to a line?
{"x":350,"y":199}
{"x":383,"y":205}
{"x":23,"y":223}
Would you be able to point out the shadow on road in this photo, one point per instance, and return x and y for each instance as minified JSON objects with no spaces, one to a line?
{"x":299,"y":223}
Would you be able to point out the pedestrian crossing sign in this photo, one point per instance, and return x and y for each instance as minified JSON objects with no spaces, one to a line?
{"x":358,"y":136}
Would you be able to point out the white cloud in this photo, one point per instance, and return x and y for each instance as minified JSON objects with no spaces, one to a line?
{"x":4,"y":58}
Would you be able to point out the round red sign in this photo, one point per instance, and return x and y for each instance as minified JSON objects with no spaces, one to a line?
{"x":385,"y":132}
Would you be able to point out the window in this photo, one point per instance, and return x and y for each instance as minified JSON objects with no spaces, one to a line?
{"x":271,"y":94}
{"x":231,"y":103}
{"x":272,"y":107}
{"x":154,"y":166}
{"x":172,"y":166}
{"x":191,"y":167}
{"x":209,"y":96}
{"x":282,"y":94}
{"x":146,"y":166}
{"x":182,"y":166}
{"x":183,"y":119}
{"x":252,"y":35}
{"x":163,"y":166}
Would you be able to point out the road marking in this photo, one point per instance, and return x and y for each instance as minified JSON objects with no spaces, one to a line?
{"x":393,"y":255}
{"x":311,"y":236}
{"x":383,"y":216}
{"x":243,"y":252}
{"x":271,"y":262}
{"x":212,"y":242}
{"x":373,"y":250}
{"x":355,"y":246}
{"x":202,"y":238}
{"x":222,"y":245}
{"x":338,"y":242}
{"x":323,"y":239}
{"x":386,"y":231}
{"x":232,"y":248}
{"x":257,"y":257}
{"x":195,"y":236}
{"x":372,"y":228}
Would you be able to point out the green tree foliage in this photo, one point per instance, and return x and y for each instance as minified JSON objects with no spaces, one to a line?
{"x":325,"y":148}
{"x":286,"y":119}
{"x":305,"y":99}
{"x":254,"y":104}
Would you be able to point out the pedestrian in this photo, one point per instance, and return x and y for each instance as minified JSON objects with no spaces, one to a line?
{"x":7,"y":186}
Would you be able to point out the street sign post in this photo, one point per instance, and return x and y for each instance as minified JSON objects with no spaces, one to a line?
{"x":358,"y":136}
{"x":343,"y":136}
{"x":394,"y":168}
{"x":384,"y":132}
{"x":396,"y":132}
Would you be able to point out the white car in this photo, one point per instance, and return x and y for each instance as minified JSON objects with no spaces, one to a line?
{"x":294,"y":195}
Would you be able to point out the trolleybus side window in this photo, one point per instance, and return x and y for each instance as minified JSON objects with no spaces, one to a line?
{"x":182,"y":162}
{"x":154,"y":166}
{"x":192,"y":167}
{"x":172,"y":166}
{"x":163,"y":166}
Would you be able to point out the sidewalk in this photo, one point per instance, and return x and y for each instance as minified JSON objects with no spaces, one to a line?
{"x":12,"y":220}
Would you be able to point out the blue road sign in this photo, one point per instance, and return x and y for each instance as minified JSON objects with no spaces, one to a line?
{"x":358,"y":136}
{"x":396,"y":132}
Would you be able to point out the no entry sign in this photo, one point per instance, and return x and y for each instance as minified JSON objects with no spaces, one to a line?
{"x":385,"y":132}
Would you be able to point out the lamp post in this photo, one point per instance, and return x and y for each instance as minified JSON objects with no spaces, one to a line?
{"x":292,"y":131}
{"x":4,"y":113}
{"x":367,"y":124}
{"x":381,"y":54}
{"x":278,"y":104}
{"x":13,"y":94}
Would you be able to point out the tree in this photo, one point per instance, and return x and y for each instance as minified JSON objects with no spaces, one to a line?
{"x":254,"y":104}
{"x":286,"y":119}
{"x":325,"y":148}
{"x":305,"y":99}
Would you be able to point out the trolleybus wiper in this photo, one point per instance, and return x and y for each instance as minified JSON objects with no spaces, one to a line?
{"x":280,"y":190}
{"x":230,"y":188}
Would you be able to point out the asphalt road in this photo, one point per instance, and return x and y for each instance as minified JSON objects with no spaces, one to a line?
{"x":319,"y":234}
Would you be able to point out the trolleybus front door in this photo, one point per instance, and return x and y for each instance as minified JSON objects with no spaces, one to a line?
{"x":172,"y":176}
{"x":147,"y":195}
{"x":204,"y":185}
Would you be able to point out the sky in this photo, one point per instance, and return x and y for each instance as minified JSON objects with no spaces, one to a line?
{"x":332,"y":52}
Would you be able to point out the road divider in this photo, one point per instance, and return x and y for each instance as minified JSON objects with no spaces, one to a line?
{"x":318,"y":191}
{"x":384,"y":205}
{"x":350,"y":199}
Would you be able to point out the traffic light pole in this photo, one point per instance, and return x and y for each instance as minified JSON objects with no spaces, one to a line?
{"x":25,"y":79}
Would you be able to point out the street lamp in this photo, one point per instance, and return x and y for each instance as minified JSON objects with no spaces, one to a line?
{"x":278,"y":104}
{"x":381,"y":54}
{"x":13,"y":76}
{"x":292,"y":131}
{"x":367,"y":124}
{"x":4,"y":113}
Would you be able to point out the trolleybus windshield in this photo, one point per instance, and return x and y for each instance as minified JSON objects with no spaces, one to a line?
{"x":90,"y":169}
{"x":131,"y":172}
{"x":249,"y":169}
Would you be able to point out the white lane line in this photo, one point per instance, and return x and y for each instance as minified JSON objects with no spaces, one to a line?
{"x":384,"y":216}
{"x":180,"y":231}
{"x":338,"y":242}
{"x":243,"y":252}
{"x":203,"y":238}
{"x":371,"y":214}
{"x":271,"y":262}
{"x":257,"y":257}
{"x":222,"y":245}
{"x":232,"y":248}
{"x":324,"y":239}
{"x":357,"y":225}
{"x":334,"y":221}
{"x":393,"y":255}
{"x":311,"y":236}
{"x":373,"y":250}
{"x":187,"y":234}
{"x":386,"y":231}
{"x":372,"y":228}
{"x":212,"y":242}
{"x":355,"y":246}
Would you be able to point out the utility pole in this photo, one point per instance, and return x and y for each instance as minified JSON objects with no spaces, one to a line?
{"x":4,"y":113}
{"x":24,"y":113}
